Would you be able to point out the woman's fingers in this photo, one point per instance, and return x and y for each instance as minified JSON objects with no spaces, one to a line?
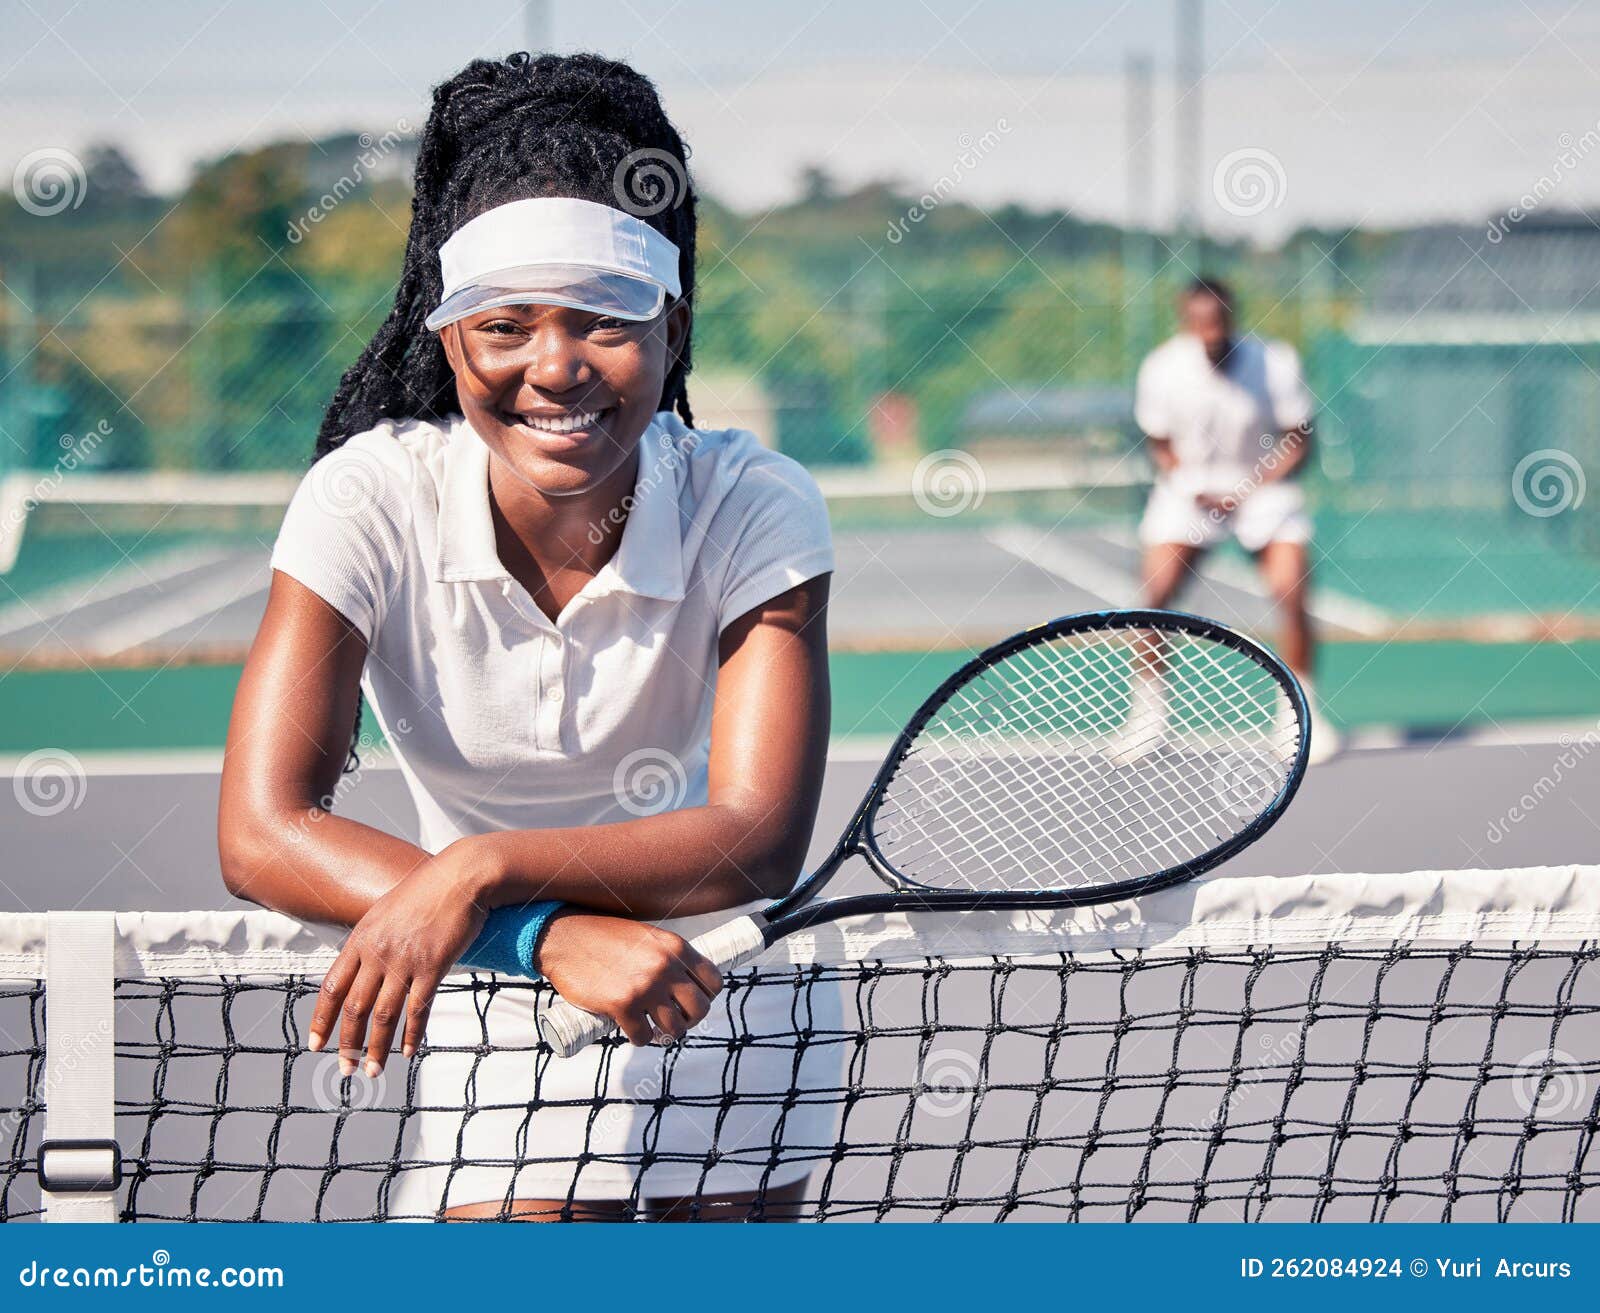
{"x":418,"y":1004}
{"x":635,"y":1024}
{"x":692,"y":1000}
{"x":669,"y":1019}
{"x":358,"y":1003}
{"x":335,"y":985}
{"x":387,"y":1009}
{"x":704,"y":972}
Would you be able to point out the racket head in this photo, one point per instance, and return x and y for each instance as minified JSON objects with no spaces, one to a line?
{"x":1093,"y":758}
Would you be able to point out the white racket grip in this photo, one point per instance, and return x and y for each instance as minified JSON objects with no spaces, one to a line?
{"x":569,"y":1030}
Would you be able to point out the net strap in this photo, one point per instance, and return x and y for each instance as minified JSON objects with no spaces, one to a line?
{"x":80,"y":1067}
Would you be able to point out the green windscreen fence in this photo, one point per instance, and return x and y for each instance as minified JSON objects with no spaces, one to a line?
{"x":1449,"y":478}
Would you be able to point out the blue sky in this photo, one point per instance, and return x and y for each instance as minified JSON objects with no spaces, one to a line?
{"x":1383,"y":112}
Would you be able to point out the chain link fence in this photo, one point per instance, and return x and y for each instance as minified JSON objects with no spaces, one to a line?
{"x":1449,"y":475}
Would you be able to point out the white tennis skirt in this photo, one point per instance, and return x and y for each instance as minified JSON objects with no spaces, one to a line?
{"x":497,"y":1120}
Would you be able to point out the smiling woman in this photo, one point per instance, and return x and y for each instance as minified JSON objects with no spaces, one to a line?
{"x":557,"y":594}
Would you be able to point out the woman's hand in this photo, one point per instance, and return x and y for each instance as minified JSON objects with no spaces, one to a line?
{"x":644,"y":978}
{"x":396,"y":955}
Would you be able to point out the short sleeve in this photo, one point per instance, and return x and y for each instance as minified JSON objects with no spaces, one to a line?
{"x":777,"y":532}
{"x":342,"y":536}
{"x":1286,"y":386}
{"x":1150,"y":411}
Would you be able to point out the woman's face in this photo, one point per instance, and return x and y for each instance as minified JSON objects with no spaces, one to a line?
{"x":561,"y":396}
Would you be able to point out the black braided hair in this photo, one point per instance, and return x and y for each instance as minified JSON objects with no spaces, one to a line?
{"x":579,"y":126}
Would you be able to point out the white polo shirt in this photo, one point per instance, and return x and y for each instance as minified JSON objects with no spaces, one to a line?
{"x":500,"y":718}
{"x":1220,"y":421}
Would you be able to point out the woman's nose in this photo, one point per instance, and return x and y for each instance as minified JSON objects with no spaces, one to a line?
{"x":554,"y":361}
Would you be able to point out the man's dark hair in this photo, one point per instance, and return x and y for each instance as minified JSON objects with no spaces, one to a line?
{"x":1215,"y":288}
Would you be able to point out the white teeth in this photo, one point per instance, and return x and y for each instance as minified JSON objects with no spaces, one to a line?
{"x":566,"y":424}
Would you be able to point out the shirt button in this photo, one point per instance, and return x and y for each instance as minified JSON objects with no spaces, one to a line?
{"x":555,"y":692}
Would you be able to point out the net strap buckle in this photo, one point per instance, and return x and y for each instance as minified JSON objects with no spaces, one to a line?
{"x":80,"y":1166}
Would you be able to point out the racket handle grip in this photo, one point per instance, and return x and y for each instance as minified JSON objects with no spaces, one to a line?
{"x":569,"y":1030}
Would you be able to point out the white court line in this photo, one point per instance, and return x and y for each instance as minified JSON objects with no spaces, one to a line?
{"x":223,"y":587}
{"x":1324,"y":604}
{"x":1041,"y":548}
{"x":121,"y":581}
{"x":850,"y":749}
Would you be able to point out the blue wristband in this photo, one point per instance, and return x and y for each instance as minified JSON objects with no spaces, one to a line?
{"x":509,"y":939}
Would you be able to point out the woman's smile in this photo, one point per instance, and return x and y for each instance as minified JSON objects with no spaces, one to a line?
{"x":557,"y":431}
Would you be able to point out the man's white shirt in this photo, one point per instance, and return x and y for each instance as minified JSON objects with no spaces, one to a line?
{"x":1221,"y":422}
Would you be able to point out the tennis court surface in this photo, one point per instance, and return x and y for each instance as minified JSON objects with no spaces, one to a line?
{"x":1395,"y":1047}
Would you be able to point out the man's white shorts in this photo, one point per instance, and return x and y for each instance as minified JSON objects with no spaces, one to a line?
{"x":1273,"y":514}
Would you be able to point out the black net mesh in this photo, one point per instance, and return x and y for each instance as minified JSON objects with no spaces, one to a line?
{"x":1395,"y":1083}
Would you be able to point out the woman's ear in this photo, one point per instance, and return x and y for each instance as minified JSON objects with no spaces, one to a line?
{"x":450,"y":340}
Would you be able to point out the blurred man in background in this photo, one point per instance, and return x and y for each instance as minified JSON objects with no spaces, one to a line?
{"x":1228,"y":423}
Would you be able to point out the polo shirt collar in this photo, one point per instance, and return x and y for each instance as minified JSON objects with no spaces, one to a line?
{"x":648,"y":561}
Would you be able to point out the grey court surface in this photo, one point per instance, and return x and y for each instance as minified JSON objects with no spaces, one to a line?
{"x":906,"y":587}
{"x":140,"y":834}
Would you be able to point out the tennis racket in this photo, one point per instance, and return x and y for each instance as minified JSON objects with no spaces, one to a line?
{"x":1092,"y":759}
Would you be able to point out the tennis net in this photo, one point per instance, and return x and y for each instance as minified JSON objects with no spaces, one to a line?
{"x":1344,"y":1048}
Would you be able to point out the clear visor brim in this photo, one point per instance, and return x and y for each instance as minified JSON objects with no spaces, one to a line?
{"x":602,"y":292}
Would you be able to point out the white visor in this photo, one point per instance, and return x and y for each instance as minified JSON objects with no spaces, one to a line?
{"x":554,"y":250}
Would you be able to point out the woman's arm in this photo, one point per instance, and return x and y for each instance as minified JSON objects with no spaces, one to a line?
{"x":279,"y":841}
{"x":417,"y":913}
{"x":768,"y":750}
{"x":281,"y":846}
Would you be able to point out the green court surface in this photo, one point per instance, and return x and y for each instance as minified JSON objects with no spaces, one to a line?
{"x":1427,"y":686}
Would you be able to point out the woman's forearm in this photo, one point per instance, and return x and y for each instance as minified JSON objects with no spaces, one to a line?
{"x":311,"y":864}
{"x":321,"y":867}
{"x":680,"y":863}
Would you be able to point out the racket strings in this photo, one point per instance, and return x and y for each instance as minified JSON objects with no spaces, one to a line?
{"x":1088,"y":759}
{"x":1036,"y":788}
